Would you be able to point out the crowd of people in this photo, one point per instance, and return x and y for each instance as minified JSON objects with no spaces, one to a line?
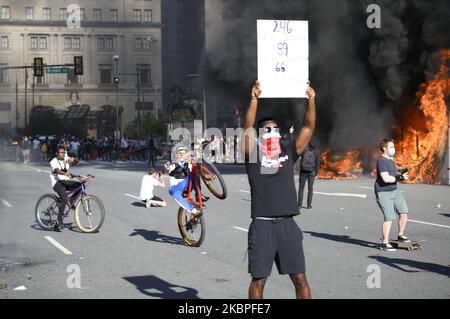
{"x":42,"y":148}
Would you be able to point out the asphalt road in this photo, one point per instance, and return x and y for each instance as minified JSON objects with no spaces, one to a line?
{"x":138,"y":253}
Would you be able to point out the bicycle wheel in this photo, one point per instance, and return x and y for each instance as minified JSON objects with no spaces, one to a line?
{"x":213,"y":180}
{"x":46,"y":211}
{"x":191,"y":229}
{"x":89,"y":214}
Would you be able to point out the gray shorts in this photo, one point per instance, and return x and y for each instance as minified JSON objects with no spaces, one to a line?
{"x":391,"y":203}
{"x":281,"y":241}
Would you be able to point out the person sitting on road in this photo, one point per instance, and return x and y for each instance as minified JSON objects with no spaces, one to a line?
{"x":179,"y":180}
{"x":62,"y":180}
{"x":149,"y":181}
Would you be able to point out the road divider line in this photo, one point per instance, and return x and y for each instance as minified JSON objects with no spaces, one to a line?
{"x":5,"y":202}
{"x":58,"y":245}
{"x":342,"y":194}
{"x":425,"y":223}
{"x":239,"y":228}
{"x":371,"y":188}
{"x":132,"y":196}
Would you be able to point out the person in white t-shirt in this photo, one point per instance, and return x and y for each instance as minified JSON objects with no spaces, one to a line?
{"x":74,"y":145}
{"x":124,"y":148}
{"x":62,"y":180}
{"x":149,"y":181}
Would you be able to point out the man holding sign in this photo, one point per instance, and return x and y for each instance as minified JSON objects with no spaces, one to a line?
{"x":273,"y":233}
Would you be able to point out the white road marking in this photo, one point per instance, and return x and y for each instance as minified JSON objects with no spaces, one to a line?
{"x":342,"y":194}
{"x":132,"y":196}
{"x":239,"y":228}
{"x":6,"y":203}
{"x":41,"y":171}
{"x":371,"y":188}
{"x":20,"y":288}
{"x":243,"y":191}
{"x":425,"y":223}
{"x":58,"y":245}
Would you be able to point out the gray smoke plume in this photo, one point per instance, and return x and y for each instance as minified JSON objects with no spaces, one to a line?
{"x":360,"y":74}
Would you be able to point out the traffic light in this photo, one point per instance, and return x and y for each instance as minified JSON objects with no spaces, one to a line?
{"x":38,"y":67}
{"x":116,"y":80}
{"x":78,"y":65}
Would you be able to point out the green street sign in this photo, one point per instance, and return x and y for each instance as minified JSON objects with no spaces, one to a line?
{"x":57,"y":70}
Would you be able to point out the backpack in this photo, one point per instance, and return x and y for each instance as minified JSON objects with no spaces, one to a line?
{"x":44,"y":148}
{"x":308,"y":161}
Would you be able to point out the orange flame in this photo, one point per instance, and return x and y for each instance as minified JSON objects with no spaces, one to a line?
{"x":422,"y":136}
{"x":340,"y":166}
{"x":422,"y":141}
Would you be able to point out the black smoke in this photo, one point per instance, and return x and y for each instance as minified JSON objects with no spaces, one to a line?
{"x":361,"y":75}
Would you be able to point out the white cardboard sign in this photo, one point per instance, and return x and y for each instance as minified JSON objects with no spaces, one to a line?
{"x":283,"y":58}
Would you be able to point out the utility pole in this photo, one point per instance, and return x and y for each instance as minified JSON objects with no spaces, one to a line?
{"x":116,"y":81}
{"x":204,"y":101}
{"x":17,"y":106}
{"x":138,"y":83}
{"x":26,"y":110}
{"x":32,"y":92}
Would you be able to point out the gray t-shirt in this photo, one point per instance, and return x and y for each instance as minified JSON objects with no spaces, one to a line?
{"x":385,"y":165}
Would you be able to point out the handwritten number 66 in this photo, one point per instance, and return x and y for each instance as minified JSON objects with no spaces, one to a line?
{"x":280,"y":67}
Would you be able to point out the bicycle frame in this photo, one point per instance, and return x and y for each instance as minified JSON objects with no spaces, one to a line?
{"x":79,"y":191}
{"x":72,"y":202}
{"x":195,"y":174}
{"x":196,"y":168}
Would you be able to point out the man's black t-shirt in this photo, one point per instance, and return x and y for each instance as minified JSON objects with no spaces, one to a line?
{"x":272,"y":184}
{"x":385,"y":165}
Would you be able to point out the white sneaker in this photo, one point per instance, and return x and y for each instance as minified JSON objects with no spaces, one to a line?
{"x":148,"y":204}
{"x":196,"y":212}
{"x":387,"y":247}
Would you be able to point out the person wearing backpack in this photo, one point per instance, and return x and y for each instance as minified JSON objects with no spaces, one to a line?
{"x":43,"y":149}
{"x":309,"y":167}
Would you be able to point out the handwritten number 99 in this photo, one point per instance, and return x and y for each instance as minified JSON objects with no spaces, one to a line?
{"x":283,"y":48}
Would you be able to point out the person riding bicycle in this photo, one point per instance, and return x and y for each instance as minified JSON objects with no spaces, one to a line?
{"x":62,"y":180}
{"x":179,"y":180}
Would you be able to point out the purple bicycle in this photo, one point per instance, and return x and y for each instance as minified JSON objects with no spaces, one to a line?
{"x":89,"y":209}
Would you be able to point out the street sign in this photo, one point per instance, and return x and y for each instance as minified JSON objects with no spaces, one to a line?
{"x":143,"y":106}
{"x":62,"y":69}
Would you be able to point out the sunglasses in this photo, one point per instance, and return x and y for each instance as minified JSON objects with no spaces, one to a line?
{"x":270,"y":129}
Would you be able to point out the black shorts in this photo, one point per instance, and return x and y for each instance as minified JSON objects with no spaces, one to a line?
{"x":281,"y":241}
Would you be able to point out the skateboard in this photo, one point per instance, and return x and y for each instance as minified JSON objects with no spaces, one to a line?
{"x":413,"y":245}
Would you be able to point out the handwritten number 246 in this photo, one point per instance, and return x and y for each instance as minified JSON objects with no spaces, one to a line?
{"x":282,"y":26}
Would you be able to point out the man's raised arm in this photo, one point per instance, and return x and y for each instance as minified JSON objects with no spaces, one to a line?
{"x":309,"y":122}
{"x":250,"y":117}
